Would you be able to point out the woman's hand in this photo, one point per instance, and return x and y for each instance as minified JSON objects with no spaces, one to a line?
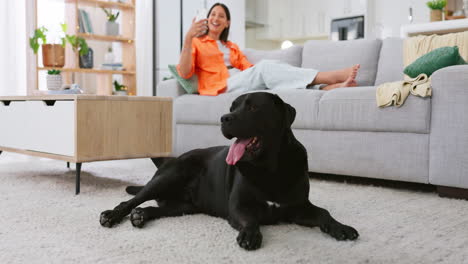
{"x":197,"y":29}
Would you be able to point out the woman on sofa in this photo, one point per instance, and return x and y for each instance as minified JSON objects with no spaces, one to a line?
{"x":216,"y":61}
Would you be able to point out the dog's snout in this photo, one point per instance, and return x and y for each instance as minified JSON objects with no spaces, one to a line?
{"x":227,"y":118}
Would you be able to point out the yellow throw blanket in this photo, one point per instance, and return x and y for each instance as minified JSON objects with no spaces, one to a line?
{"x":395,"y":93}
{"x":415,"y":47}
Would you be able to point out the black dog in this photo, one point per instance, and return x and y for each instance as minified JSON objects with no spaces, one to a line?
{"x":261,"y":179}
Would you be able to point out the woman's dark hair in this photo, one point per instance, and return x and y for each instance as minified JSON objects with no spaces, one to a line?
{"x":224,"y":35}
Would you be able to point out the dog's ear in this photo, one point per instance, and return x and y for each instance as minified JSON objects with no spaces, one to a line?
{"x":289,"y":111}
{"x":289,"y":114}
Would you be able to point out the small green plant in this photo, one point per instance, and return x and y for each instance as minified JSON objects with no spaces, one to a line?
{"x":110,"y":15}
{"x":119,"y":87}
{"x":40,"y":38}
{"x":39,"y":34}
{"x":436,"y":4}
{"x":77,"y":43}
{"x":53,"y":72}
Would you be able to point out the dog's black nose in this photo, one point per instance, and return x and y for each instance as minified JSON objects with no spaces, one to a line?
{"x":226,"y":118}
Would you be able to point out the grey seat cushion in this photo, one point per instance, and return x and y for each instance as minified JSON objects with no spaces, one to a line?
{"x":207,"y":110}
{"x":292,"y":55}
{"x":390,"y":68}
{"x":355,"y":109}
{"x":326,"y":55}
{"x":306,"y":103}
{"x":344,"y":109}
{"x":203,"y":110}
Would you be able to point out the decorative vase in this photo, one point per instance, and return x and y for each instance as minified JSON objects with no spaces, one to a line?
{"x":54,"y":81}
{"x":86,"y":61}
{"x":436,"y":15}
{"x":109,"y":56}
{"x":112,"y":28}
{"x":53,"y":55}
{"x":120,"y":93}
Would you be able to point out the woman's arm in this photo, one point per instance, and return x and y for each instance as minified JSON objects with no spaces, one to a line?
{"x":185,"y":62}
{"x":239,"y":60}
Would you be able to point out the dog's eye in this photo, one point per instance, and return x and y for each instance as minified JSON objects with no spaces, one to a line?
{"x":252,"y":108}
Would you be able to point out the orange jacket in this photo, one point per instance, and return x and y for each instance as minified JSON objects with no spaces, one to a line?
{"x":208,"y":65}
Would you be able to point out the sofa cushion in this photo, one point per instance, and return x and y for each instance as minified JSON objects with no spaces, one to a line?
{"x":190,"y":85}
{"x":434,"y":60}
{"x":207,"y":110}
{"x":203,"y":110}
{"x":348,"y":109}
{"x":355,"y":109}
{"x":292,"y":55}
{"x":326,"y":55}
{"x":390,"y":67}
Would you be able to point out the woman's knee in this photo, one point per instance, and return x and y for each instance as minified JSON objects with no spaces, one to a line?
{"x":265,"y":65}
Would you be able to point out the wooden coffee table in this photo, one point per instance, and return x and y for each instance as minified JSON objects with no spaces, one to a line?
{"x":86,"y":128}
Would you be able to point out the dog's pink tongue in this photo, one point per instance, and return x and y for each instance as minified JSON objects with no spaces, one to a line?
{"x":236,"y":151}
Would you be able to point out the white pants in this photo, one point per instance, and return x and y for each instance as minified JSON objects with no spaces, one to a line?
{"x":270,"y":74}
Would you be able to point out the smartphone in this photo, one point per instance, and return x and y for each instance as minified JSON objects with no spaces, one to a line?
{"x":201,"y":14}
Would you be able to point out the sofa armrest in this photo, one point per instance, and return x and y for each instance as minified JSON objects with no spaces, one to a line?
{"x":169,"y":88}
{"x":448,"y":148}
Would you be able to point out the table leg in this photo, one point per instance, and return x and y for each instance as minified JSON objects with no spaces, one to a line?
{"x":78,"y":171}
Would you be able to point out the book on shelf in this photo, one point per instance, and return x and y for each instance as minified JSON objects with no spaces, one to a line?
{"x":80,"y":22}
{"x":65,"y":91}
{"x":88,"y":24}
{"x":112,"y":66}
{"x":84,"y":22}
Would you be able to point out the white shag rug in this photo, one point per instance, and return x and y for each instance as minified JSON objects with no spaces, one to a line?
{"x":42,"y":221}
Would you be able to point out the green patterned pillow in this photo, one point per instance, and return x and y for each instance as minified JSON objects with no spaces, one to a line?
{"x":190,"y":85}
{"x":434,"y":60}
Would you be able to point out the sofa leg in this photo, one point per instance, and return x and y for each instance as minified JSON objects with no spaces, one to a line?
{"x":452,"y":192}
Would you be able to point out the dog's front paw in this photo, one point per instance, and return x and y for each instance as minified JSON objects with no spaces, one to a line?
{"x":250,"y":238}
{"x":137,"y":217}
{"x":339,"y":231}
{"x":109,"y":218}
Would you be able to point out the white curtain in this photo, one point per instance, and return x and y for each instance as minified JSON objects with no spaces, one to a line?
{"x":144,"y":47}
{"x":13,"y":47}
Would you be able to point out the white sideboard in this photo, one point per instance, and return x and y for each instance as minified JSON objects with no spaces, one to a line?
{"x":36,"y":126}
{"x":85,"y":128}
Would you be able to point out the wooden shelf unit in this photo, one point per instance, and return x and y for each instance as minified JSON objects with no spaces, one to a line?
{"x":127,"y":19}
{"x":100,"y":71}
{"x":105,"y":38}
{"x":106,"y":4}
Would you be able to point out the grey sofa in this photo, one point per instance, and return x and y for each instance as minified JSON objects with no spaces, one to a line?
{"x":343,"y":130}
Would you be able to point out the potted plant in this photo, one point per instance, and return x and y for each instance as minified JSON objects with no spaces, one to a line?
{"x":80,"y":45}
{"x":54,"y":80}
{"x":120,"y":89}
{"x":436,"y":7}
{"x":53,"y":55}
{"x":112,"y":27}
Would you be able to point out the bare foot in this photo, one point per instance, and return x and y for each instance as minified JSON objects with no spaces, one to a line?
{"x":350,"y":81}
{"x":350,"y":72}
{"x":340,"y":78}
